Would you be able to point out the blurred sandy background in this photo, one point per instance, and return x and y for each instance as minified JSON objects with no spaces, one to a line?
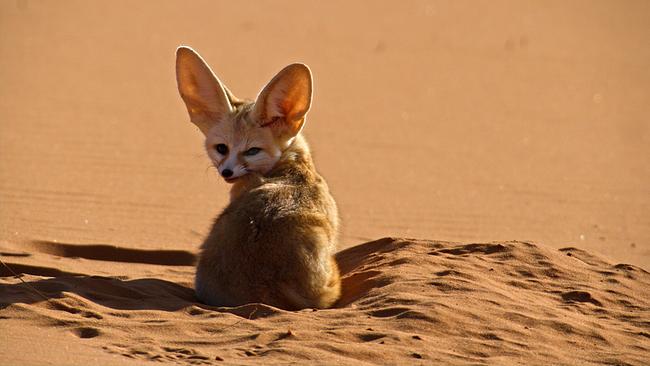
{"x":466,"y":121}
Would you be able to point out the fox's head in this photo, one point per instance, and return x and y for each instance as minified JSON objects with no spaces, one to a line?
{"x":243,"y":137}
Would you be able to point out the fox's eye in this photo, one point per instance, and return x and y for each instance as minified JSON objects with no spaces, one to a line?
{"x":221,"y":149}
{"x":252,"y":151}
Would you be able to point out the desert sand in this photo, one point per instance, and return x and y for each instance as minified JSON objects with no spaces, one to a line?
{"x":510,"y":138}
{"x":404,"y":302}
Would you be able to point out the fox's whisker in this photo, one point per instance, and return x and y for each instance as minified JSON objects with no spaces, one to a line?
{"x":210,"y":166}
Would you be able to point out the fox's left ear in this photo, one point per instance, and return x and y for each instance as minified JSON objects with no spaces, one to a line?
{"x":206,"y":98}
{"x":285,"y":100}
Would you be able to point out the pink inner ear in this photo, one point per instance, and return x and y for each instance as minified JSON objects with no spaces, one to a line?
{"x":285,"y":105}
{"x":295,"y":101}
{"x":273,"y":121}
{"x":281,"y":127}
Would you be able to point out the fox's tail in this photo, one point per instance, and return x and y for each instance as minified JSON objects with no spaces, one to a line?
{"x":323,"y":297}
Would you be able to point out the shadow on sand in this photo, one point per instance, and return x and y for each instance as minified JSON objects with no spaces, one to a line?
{"x":158,"y":294}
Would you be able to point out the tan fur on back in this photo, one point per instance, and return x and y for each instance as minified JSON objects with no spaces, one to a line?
{"x":275,"y":241}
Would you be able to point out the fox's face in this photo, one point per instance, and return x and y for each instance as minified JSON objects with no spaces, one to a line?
{"x":239,"y":146}
{"x":242,"y":137}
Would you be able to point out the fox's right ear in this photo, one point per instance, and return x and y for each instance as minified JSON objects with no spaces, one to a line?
{"x":205,"y":97}
{"x":285,"y":100}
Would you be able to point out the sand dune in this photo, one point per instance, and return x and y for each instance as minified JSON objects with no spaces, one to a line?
{"x":404,"y":302}
{"x":453,"y":121}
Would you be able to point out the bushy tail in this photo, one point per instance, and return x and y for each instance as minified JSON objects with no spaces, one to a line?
{"x":322,"y":298}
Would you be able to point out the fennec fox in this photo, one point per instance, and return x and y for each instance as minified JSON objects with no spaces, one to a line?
{"x":274,"y":242}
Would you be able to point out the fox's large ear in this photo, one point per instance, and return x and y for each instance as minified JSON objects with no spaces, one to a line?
{"x":206,"y":98}
{"x":285,"y":100}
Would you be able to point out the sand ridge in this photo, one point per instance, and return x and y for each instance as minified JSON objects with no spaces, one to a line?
{"x":404,"y":301}
{"x":453,"y":121}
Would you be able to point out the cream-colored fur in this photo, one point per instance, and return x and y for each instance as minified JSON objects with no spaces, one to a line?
{"x":274,"y":243}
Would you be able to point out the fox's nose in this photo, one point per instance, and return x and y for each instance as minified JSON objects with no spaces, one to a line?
{"x":227,"y":173}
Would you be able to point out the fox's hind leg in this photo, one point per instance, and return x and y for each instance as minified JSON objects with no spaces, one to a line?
{"x":331,"y":292}
{"x":208,"y":289}
{"x":321,"y":297}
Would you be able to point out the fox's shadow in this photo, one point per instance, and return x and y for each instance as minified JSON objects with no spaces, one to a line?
{"x":136,"y":294}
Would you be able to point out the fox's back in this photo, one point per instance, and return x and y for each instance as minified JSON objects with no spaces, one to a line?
{"x":281,"y":229}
